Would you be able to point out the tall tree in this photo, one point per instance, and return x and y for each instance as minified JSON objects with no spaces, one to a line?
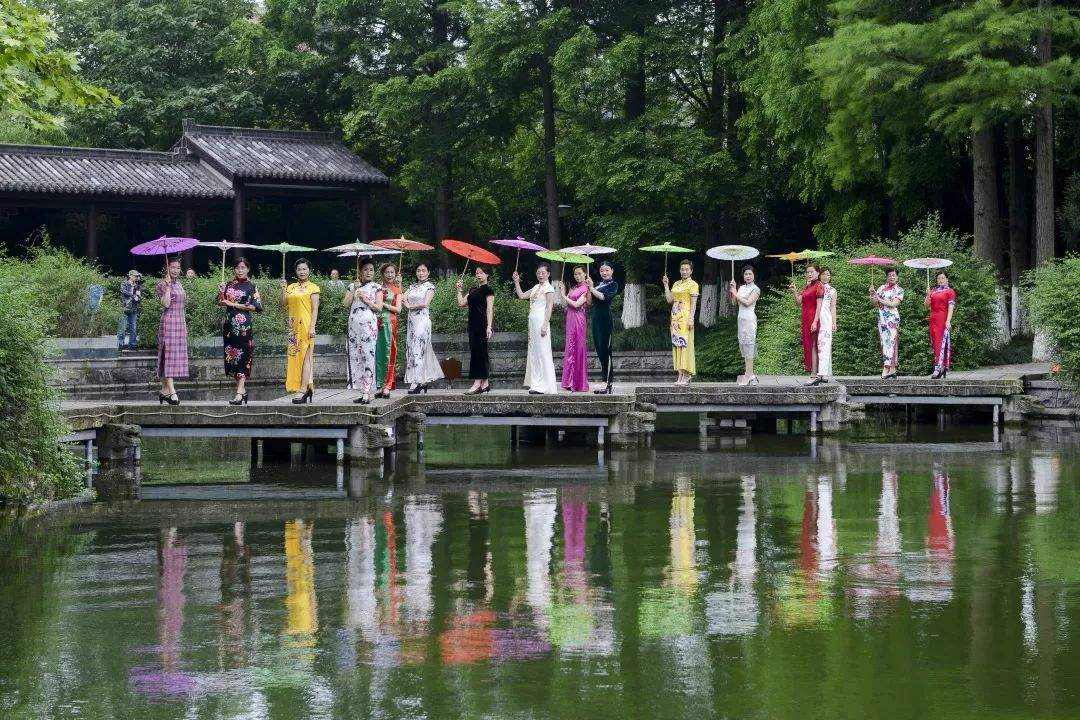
{"x":38,"y":81}
{"x":1044,"y":148}
{"x":163,"y":59}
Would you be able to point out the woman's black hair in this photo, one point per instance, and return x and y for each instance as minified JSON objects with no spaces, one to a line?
{"x":241,"y":259}
{"x":941,"y":272}
{"x":582,"y":268}
{"x":480,"y":266}
{"x":823,"y":269}
{"x":605,"y":263}
{"x":423,"y":263}
{"x":687,"y":261}
{"x":173,"y":260}
{"x":299,"y":262}
{"x":750,"y":268}
{"x":367,"y":261}
{"x":382,"y":268}
{"x":891,"y":270}
{"x":546,"y":266}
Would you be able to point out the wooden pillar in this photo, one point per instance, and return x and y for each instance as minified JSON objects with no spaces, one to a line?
{"x":187,"y":229}
{"x":92,"y":233}
{"x":238,"y":216}
{"x":363,"y":220}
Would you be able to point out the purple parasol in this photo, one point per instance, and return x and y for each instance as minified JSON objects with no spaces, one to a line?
{"x":519,"y":243}
{"x":164,"y":246}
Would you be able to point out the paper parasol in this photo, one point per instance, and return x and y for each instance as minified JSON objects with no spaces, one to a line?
{"x":402,"y":244}
{"x":816,"y":254}
{"x":164,"y":246}
{"x":225,"y":246}
{"x":665,"y":248}
{"x":519,"y":243}
{"x":927,"y":264}
{"x":562,"y":256}
{"x":732,"y":253}
{"x":284,"y":248}
{"x":872,"y":261}
{"x":470,"y":252}
{"x":791,"y":257}
{"x":590,"y":250}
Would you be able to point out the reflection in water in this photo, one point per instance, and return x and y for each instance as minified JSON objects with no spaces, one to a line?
{"x":301,"y":619}
{"x":235,"y":577}
{"x":734,"y":609}
{"x":757,"y":616}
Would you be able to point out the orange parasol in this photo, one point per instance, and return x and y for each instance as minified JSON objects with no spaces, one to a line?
{"x":470,"y":252}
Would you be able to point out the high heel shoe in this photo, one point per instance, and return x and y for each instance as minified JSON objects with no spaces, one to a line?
{"x":239,"y":400}
{"x":415,"y":391}
{"x":305,"y":398}
{"x":485,"y":389}
{"x":362,"y":401}
{"x":470,"y":391}
{"x":168,"y":399}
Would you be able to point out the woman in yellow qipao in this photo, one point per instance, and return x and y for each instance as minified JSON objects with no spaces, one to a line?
{"x":683,"y":297}
{"x":301,"y":299}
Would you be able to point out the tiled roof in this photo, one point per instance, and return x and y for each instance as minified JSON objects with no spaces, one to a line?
{"x":64,"y":170}
{"x":254,"y":154}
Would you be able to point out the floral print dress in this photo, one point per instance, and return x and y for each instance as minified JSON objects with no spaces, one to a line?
{"x":239,"y":340}
{"x":363,"y":335}
{"x":889,"y":324}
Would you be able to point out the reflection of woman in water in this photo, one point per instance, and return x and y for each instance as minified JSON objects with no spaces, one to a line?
{"x":878,"y":577}
{"x":683,"y":565}
{"x":423,"y":521}
{"x":540,"y":508}
{"x":172,"y":564}
{"x":302,"y":618}
{"x":734,"y":610}
{"x":235,"y":577}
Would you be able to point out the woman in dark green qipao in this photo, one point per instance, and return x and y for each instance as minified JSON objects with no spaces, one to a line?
{"x":603,"y":323}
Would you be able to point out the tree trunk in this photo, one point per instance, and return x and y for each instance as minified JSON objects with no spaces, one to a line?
{"x":551,"y":187}
{"x":1044,"y":163}
{"x":1018,"y":220}
{"x":709,"y":305}
{"x":633,"y":311}
{"x":1042,"y":349}
{"x":988,"y":236}
{"x":443,"y":200}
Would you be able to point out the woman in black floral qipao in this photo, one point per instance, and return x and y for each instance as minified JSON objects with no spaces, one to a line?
{"x":241,"y":299}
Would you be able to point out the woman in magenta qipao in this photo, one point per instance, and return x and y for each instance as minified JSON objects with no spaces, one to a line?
{"x":575,"y":374}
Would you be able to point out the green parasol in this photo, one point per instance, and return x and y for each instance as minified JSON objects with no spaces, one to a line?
{"x":564,"y":257}
{"x":665,"y":248}
{"x":284,"y":248}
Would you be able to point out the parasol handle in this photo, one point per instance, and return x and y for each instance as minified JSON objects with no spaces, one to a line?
{"x":466,"y":267}
{"x":732,"y":272}
{"x":222,"y":264}
{"x":283,"y":265}
{"x":517,"y":259}
{"x":927,"y":279}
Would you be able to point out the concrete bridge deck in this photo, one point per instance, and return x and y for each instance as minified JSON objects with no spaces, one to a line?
{"x":625,"y":418}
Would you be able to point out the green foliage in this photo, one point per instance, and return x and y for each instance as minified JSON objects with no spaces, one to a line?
{"x":511,"y":314}
{"x":718,"y":351}
{"x":58,"y":283}
{"x":856,"y":348}
{"x":32,"y":466}
{"x":37,"y":81}
{"x":1053,"y":308}
{"x":164,"y":59}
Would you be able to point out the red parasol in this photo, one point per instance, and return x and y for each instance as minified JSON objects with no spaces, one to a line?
{"x":470,"y":252}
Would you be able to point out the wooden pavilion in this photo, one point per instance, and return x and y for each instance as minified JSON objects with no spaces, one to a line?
{"x":211,"y":170}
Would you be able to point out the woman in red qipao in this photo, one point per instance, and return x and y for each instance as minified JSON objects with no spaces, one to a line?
{"x":810,"y":300}
{"x":941,"y":300}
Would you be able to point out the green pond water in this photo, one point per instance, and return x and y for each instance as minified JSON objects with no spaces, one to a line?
{"x":774,"y":577}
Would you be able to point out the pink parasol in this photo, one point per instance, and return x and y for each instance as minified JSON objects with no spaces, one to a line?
{"x":872,"y":261}
{"x":165,"y":246}
{"x":590,"y":250}
{"x":519,"y":243}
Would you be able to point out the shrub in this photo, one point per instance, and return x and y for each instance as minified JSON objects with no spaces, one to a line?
{"x":856,"y":349}
{"x":32,"y":467}
{"x":1053,"y":308}
{"x":59,"y":283}
{"x":511,"y":314}
{"x":718,"y":351}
